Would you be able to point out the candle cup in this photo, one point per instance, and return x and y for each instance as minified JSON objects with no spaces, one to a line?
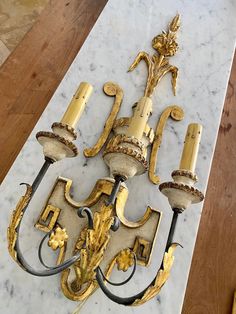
{"x":59,"y":143}
{"x":139,"y":120}
{"x":191,"y":146}
{"x":181,"y":192}
{"x":77,"y":105}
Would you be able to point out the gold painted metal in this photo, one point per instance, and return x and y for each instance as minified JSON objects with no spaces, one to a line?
{"x":132,"y":137}
{"x":137,"y":126}
{"x":50,"y":213}
{"x":77,"y":105}
{"x":102,"y":186}
{"x":58,"y":238}
{"x":134,"y":224}
{"x":84,"y":268}
{"x":161,"y":277}
{"x":110,"y":89}
{"x":125,"y":259}
{"x":142,"y":250}
{"x":96,"y":241}
{"x":191,"y":147}
{"x":158,"y":64}
{"x":177,"y":114}
{"x":15,"y":220}
{"x":234,"y":304}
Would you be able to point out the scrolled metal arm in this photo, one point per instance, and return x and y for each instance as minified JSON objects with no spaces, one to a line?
{"x":14,"y":228}
{"x":139,"y":298}
{"x":14,"y":231}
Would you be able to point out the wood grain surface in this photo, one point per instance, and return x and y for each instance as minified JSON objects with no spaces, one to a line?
{"x":212,"y":279}
{"x":30,"y":75}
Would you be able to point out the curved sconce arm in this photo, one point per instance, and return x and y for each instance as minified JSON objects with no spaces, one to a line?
{"x":14,"y":230}
{"x":155,"y":286}
{"x":56,"y":146}
{"x":177,"y":114}
{"x":110,"y":89}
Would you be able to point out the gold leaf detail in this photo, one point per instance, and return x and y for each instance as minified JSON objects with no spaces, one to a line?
{"x":161,"y":277}
{"x":158,"y":64}
{"x":177,"y":114}
{"x":113,"y":90}
{"x":165,"y":45}
{"x":15,"y":220}
{"x":175,"y":24}
{"x":95,"y":240}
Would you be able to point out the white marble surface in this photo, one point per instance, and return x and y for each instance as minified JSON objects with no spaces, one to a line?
{"x":206,"y":39}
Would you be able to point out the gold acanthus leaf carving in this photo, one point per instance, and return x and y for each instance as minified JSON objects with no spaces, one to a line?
{"x":92,"y":244}
{"x":15,"y":220}
{"x":161,"y":277}
{"x":158,"y":64}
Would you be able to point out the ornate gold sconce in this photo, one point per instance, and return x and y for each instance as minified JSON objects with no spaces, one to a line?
{"x":87,"y":250}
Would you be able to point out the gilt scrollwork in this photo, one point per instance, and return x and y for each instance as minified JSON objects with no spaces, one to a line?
{"x":91,"y":244}
{"x":161,"y":277}
{"x":125,"y":256}
{"x":113,"y":90}
{"x":16,"y":217}
{"x":177,"y":114}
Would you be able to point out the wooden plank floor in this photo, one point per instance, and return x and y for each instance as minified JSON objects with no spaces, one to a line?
{"x":30,"y":75}
{"x":29,"y":78}
{"x":212,"y":279}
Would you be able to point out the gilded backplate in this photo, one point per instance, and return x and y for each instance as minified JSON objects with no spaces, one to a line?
{"x":103,"y":247}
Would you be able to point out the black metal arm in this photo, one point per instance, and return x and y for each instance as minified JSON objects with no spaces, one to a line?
{"x":50,"y":270}
{"x":130,"y":300}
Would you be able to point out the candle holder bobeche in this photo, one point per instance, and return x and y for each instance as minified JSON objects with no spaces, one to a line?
{"x":180,"y":192}
{"x":58,"y":144}
{"x":89,"y":249}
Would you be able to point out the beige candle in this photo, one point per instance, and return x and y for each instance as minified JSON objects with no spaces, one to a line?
{"x":140,"y":118}
{"x":191,"y":146}
{"x":77,"y":105}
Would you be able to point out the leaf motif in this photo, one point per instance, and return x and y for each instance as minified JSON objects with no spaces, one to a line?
{"x":161,"y":277}
{"x":15,"y":220}
{"x":175,"y":24}
{"x":96,"y":241}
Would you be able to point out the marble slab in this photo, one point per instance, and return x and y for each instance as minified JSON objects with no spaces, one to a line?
{"x":125,"y":27}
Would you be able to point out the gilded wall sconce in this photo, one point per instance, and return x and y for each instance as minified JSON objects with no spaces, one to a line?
{"x":89,"y":249}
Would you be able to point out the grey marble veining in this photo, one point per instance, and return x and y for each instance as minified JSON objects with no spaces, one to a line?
{"x":206,"y":40}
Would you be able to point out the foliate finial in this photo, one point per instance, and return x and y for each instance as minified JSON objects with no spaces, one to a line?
{"x":165,"y":43}
{"x":175,"y":24}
